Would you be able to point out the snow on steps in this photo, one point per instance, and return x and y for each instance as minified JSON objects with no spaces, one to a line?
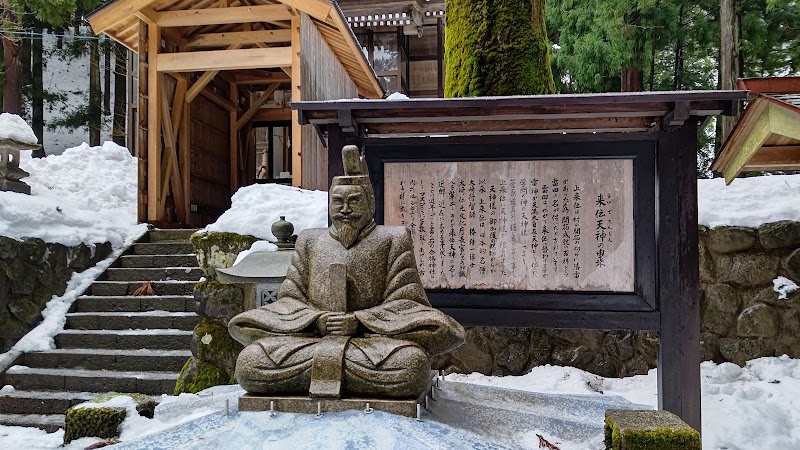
{"x":113,"y":341}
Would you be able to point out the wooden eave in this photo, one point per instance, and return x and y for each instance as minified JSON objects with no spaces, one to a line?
{"x":540,"y":114}
{"x":766,"y":137}
{"x":119,"y":19}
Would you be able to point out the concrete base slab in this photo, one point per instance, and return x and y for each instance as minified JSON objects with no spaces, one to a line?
{"x":308,"y":405}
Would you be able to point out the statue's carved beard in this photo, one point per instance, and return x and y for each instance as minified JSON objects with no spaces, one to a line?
{"x":347,"y":232}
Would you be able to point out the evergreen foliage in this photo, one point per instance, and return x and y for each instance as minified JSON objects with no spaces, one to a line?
{"x":496,"y":48}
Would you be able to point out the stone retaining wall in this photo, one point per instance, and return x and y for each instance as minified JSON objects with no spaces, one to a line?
{"x":742,"y":317}
{"x":31,"y":272}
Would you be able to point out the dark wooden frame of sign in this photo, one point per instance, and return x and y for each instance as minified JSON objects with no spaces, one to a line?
{"x":667,"y":285}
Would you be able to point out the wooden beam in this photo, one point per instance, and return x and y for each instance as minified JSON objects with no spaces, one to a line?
{"x":273,"y":115}
{"x":318,"y":9}
{"x":171,"y":174}
{"x":264,"y":78}
{"x":151,"y":17}
{"x":154,"y":210}
{"x":778,"y":157}
{"x":256,"y":106}
{"x":774,"y":119}
{"x":222,"y":102}
{"x":112,"y":14}
{"x":204,"y":79}
{"x":185,"y":150}
{"x":297,"y":95}
{"x":251,"y":58}
{"x":241,"y":37}
{"x":220,"y":16}
{"x":142,"y":124}
{"x":234,"y":138}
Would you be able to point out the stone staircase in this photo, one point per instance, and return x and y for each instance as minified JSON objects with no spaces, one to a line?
{"x":112,"y":340}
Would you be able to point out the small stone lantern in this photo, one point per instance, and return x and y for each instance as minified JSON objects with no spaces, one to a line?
{"x":10,"y":172}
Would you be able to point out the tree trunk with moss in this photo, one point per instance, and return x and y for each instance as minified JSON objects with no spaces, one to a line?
{"x":496,"y":47}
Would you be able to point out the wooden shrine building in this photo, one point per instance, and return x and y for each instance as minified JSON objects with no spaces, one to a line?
{"x":209,"y":72}
{"x":767,"y":136}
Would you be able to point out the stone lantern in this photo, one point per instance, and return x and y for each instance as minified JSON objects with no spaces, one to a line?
{"x":10,"y":172}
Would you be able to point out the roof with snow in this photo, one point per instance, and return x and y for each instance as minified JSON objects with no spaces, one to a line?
{"x":767,"y":136}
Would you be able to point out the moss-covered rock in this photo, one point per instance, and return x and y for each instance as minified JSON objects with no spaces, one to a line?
{"x":648,"y":430}
{"x":103,"y":422}
{"x":218,"y":301}
{"x":218,"y":249}
{"x":197,"y":375}
{"x":212,"y":343}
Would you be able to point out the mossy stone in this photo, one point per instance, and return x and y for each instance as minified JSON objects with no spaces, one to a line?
{"x":197,"y":375}
{"x":103,"y":422}
{"x":212,"y":343}
{"x":219,"y":301}
{"x":8,"y":247}
{"x":648,"y":430}
{"x":25,"y":311}
{"x":784,"y":233}
{"x":731,"y":239}
{"x":218,"y":249}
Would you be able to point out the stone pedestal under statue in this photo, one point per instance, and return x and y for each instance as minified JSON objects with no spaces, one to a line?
{"x":352,"y":323}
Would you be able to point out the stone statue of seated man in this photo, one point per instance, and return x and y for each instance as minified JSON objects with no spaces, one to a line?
{"x":352,"y":318}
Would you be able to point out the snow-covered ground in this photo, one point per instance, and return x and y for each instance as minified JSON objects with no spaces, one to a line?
{"x":756,"y":407}
{"x":87,"y":194}
{"x":748,"y":202}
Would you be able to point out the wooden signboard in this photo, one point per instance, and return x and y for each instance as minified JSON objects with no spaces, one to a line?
{"x":517,"y":225}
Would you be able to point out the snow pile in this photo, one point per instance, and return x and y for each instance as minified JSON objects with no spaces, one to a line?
{"x":257,"y":247}
{"x":783,"y":286}
{"x":13,"y":127}
{"x":742,"y":408}
{"x":748,"y":202}
{"x":255,"y":208}
{"x":87,"y":194}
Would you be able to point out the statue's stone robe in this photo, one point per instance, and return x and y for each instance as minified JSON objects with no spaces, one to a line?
{"x":398,"y":332}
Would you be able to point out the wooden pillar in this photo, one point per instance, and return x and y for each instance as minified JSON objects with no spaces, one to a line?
{"x":678,"y":282}
{"x":154,"y":208}
{"x":234,"y":117}
{"x":141,"y":128}
{"x":297,"y":163}
{"x":185,"y":155}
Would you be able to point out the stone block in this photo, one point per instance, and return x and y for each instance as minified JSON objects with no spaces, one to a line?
{"x":758,"y":320}
{"x":218,"y":250}
{"x":785,"y":233}
{"x":718,"y":308}
{"x":25,"y":311}
{"x":103,"y":422}
{"x":792,"y":264}
{"x":731,"y":239}
{"x":307,"y":405}
{"x":197,"y":375}
{"x":747,"y":269}
{"x":8,"y":247}
{"x":741,"y":350}
{"x":709,"y":343}
{"x":218,"y":301}
{"x":707,"y":270}
{"x":648,"y":430}
{"x":212,"y":343}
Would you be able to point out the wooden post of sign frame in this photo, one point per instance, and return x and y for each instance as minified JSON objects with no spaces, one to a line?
{"x":679,"y":279}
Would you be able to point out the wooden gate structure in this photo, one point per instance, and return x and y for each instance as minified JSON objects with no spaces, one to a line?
{"x":553,"y":211}
{"x":206,"y":68}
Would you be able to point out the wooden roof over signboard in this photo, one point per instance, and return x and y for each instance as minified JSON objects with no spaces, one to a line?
{"x":218,"y":24}
{"x":537,"y":114}
{"x":767,"y":136}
